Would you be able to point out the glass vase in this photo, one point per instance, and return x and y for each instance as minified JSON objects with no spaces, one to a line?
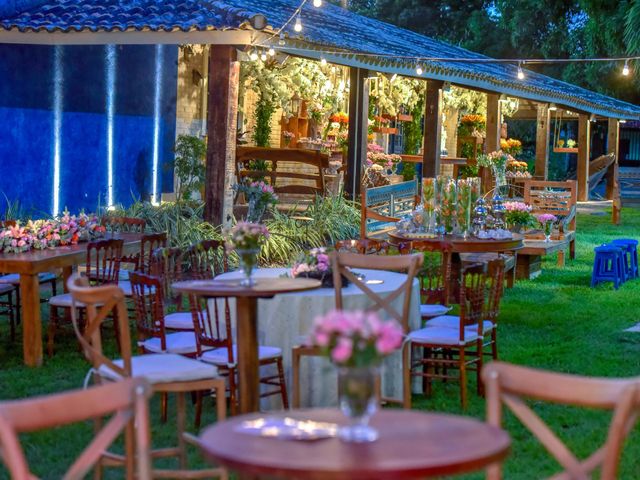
{"x":548,"y":228}
{"x":248,"y":261}
{"x":358,"y":402}
{"x":256,"y":210}
{"x":500,"y":176}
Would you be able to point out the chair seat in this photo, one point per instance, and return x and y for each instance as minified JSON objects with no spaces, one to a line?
{"x":220,"y":356}
{"x":433,"y":310}
{"x":64,"y":301}
{"x":163,"y":368}
{"x":126,"y":288}
{"x":183,"y":343}
{"x":14,"y":278}
{"x":442,"y":336}
{"x":453,"y":321}
{"x":179,"y":321}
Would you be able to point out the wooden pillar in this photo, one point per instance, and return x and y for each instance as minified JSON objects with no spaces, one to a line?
{"x":542,"y":141}
{"x":494,"y":122}
{"x":613,"y":182}
{"x":358,"y":130}
{"x":584,"y":156}
{"x":224,"y":76}
{"x":432,"y":129}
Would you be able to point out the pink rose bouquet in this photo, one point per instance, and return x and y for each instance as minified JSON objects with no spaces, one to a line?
{"x":315,"y":264}
{"x":547,"y":220}
{"x":518,"y":214}
{"x":355,"y":338}
{"x":16,"y":239}
{"x":246,"y":236}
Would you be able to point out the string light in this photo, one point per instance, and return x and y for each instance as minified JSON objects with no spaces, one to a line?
{"x":317,"y":3}
{"x":253,"y":55}
{"x":263,"y":57}
{"x":272,"y":52}
{"x":625,"y":69}
{"x":298,"y":25}
{"x":622,"y":120}
{"x":281,"y":42}
{"x":419,"y":69}
{"x":323,"y":61}
{"x":520,"y":72}
{"x":552,"y":107}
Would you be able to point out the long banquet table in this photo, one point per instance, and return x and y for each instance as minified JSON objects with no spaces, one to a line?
{"x":286,"y":319}
{"x":29,"y":265}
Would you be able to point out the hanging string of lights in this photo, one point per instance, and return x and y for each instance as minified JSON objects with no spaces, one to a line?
{"x":267,"y":47}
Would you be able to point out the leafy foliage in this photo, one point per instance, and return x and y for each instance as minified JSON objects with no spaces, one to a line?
{"x":262,"y":132}
{"x":189,"y":165}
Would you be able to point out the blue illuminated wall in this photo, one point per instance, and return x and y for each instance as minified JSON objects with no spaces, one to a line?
{"x":83,"y":125}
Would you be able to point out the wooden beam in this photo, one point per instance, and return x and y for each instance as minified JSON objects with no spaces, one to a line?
{"x":584,"y":156}
{"x":224,"y":76}
{"x":613,"y":182}
{"x":542,"y":141}
{"x":494,"y":122}
{"x":358,"y":130}
{"x":432,"y":129}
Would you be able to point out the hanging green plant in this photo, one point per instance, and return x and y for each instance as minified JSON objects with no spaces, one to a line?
{"x":264,"y":112}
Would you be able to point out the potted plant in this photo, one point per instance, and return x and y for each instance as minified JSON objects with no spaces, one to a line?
{"x":189,"y":166}
{"x":518,"y":216}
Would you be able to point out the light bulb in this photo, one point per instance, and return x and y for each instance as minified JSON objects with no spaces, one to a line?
{"x":419,"y":70}
{"x":552,"y":107}
{"x":263,"y":57}
{"x":622,"y":120}
{"x":317,"y":3}
{"x":625,"y":69}
{"x":281,"y":42}
{"x":520,"y":72}
{"x":253,"y":55}
{"x":298,"y":25}
{"x":272,"y":52}
{"x":323,"y":62}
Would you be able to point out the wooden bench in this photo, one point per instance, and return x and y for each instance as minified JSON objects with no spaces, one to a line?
{"x":383,"y":206}
{"x":293,"y":173}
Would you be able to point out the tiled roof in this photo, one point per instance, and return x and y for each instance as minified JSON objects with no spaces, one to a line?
{"x":327,"y":28}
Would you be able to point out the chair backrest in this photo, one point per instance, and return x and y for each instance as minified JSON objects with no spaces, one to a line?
{"x":123,"y":224}
{"x":101,"y":301}
{"x":557,"y":198}
{"x":495,"y":281}
{"x":212,"y":324}
{"x":342,"y":262}
{"x":364,"y":246}
{"x":474,"y":290}
{"x":435,"y":271}
{"x":149,"y":243}
{"x":103,"y":260}
{"x":148,"y":298}
{"x":509,"y":384}
{"x":168,"y":265}
{"x":126,"y":401}
{"x":383,"y":206}
{"x":288,"y":179}
{"x":207,"y":259}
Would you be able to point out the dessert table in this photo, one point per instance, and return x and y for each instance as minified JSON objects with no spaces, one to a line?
{"x":29,"y":265}
{"x":411,"y":445}
{"x":286,"y":320}
{"x":459,"y":244}
{"x":247,"y":321}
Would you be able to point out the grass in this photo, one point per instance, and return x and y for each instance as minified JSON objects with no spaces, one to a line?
{"x":555,"y":322}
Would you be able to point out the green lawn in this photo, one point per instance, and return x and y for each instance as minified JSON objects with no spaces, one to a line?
{"x":555,"y":322}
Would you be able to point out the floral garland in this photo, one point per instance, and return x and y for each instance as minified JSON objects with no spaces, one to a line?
{"x":42,"y":234}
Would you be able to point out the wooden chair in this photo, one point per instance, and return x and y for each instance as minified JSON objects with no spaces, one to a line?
{"x":102,"y":267}
{"x":206,"y":259}
{"x":341,"y":263}
{"x":168,"y":264}
{"x":216,"y":347}
{"x":9,"y":307}
{"x":559,"y":199}
{"x":460,"y":347}
{"x":123,"y":224}
{"x":149,"y":244}
{"x":166,"y":372}
{"x":508,"y":384}
{"x":127,"y":400}
{"x":364,"y":246}
{"x":382,"y":206}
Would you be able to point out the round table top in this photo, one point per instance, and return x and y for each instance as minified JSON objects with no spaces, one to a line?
{"x":466,"y":245}
{"x":264,"y":287}
{"x":411,"y":445}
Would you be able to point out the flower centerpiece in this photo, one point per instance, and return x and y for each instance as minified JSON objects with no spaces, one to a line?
{"x":517,"y":169}
{"x":511,"y":146}
{"x":429,"y":203}
{"x":497,"y":162}
{"x":447,"y":194}
{"x":246,"y":239}
{"x":468,"y":193}
{"x":547,"y":220}
{"x":517,"y":216}
{"x":387,"y":161}
{"x":315,"y":264}
{"x":356,"y":342}
{"x":259,"y":196}
{"x":16,"y":239}
{"x":288,"y":137}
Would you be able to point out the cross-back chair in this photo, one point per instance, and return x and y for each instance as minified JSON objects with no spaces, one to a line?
{"x":167,"y":373}
{"x":207,"y":259}
{"x":102,"y":267}
{"x":123,"y":224}
{"x":457,"y":344}
{"x":363,"y":246}
{"x":126,"y":401}
{"x":216,"y":346}
{"x":341,"y":264}
{"x":510,"y":385}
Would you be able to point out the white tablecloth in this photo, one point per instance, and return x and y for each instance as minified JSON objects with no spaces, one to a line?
{"x":286,"y":319}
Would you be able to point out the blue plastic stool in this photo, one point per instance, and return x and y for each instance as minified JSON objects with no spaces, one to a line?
{"x":608,"y":266}
{"x":630,"y":247}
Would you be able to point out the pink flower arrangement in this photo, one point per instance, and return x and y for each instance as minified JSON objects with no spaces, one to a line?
{"x":545,"y":218}
{"x":386,"y":160}
{"x":374,"y":148}
{"x":517,"y":207}
{"x":316,"y":261}
{"x":246,"y":236}
{"x":356,"y":338}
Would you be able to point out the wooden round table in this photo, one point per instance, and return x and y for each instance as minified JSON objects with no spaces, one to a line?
{"x":247,"y":322}
{"x":411,"y":445}
{"x":460,"y":244}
